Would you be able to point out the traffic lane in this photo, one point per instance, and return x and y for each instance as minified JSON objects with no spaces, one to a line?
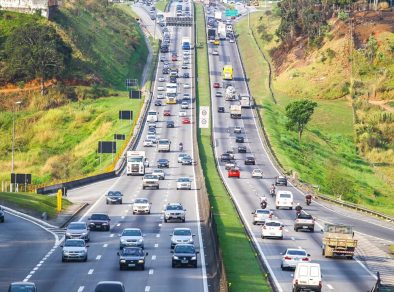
{"x":150,"y":24}
{"x":22,"y":245}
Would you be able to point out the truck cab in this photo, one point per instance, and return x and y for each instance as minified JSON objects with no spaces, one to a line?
{"x":136,"y":162}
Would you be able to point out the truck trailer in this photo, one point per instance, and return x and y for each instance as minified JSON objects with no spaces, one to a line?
{"x":338,"y":240}
{"x":235,"y":111}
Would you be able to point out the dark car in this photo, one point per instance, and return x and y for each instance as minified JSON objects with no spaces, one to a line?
{"x":187,"y":160}
{"x":221,"y":109}
{"x":184,"y":255}
{"x":165,"y":71}
{"x":164,"y":49}
{"x":172,"y":79}
{"x":226,"y":157}
{"x":250,"y":160}
{"x":1,"y":215}
{"x":158,"y":103}
{"x":109,"y":286}
{"x":22,"y":287}
{"x":186,"y":75}
{"x":99,"y":221}
{"x":114,"y":197}
{"x":170,"y":124}
{"x":281,"y":181}
{"x":132,"y":257}
{"x":163,"y":163}
{"x":241,"y":149}
{"x":239,"y":139}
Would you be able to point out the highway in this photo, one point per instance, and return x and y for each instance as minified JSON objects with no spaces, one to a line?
{"x":338,"y":274}
{"x":103,"y":261}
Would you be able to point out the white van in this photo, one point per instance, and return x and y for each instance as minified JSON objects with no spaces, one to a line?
{"x":152,"y":116}
{"x":284,"y":199}
{"x":307,"y":276}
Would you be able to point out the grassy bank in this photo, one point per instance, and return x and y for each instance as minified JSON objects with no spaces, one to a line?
{"x":327,"y":156}
{"x":242,"y":269}
{"x":161,"y":5}
{"x":32,"y":203}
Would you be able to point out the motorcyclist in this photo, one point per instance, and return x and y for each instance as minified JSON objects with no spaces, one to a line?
{"x":180,"y":146}
{"x":263,"y":202}
{"x":308,"y":199}
{"x":272,"y":190}
{"x":298,"y":209}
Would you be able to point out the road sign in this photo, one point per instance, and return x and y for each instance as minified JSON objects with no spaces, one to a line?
{"x":135,"y":94}
{"x":125,"y":115}
{"x":231,"y":12}
{"x":21,"y":178}
{"x":204,"y":117}
{"x":119,"y":137}
{"x":179,"y":21}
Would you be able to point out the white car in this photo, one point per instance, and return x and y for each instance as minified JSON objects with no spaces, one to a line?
{"x":159,"y":172}
{"x":182,"y":113}
{"x":75,"y":249}
{"x":186,"y":96}
{"x":184,"y":183}
{"x":141,"y":205}
{"x":229,"y":165}
{"x":161,"y":96}
{"x":181,"y":235}
{"x":186,"y":86}
{"x":162,"y":79}
{"x":185,"y":66}
{"x":257,"y":173}
{"x":292,"y":256}
{"x":148,"y":143}
{"x":131,"y":237}
{"x":161,"y":88}
{"x":261,"y":215}
{"x":237,"y":130}
{"x":272,"y":228}
{"x":181,"y":155}
{"x":186,"y":52}
{"x":232,"y":40}
{"x":153,"y":138}
{"x":215,"y":53}
{"x":184,"y":105}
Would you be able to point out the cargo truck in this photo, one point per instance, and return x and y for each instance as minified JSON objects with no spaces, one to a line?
{"x":338,"y":240}
{"x":136,"y":162}
{"x":218,"y":15}
{"x":222,"y":31}
{"x":245,"y":101}
{"x":164,"y":145}
{"x":230,"y":93}
{"x":235,"y":111}
{"x":211,"y":34}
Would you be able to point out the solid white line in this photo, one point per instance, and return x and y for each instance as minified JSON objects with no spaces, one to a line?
{"x":111,"y":235}
{"x":90,"y":271}
{"x":117,"y":225}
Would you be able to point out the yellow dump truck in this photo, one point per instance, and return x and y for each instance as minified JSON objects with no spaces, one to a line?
{"x":338,"y":241}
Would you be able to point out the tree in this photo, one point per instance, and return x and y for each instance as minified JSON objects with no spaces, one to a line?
{"x":36,"y":51}
{"x":298,"y":114}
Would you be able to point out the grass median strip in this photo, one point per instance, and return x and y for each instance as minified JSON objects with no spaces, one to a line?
{"x":242,"y":269}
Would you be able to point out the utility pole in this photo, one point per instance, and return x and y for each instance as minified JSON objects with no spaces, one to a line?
{"x":13,"y":139}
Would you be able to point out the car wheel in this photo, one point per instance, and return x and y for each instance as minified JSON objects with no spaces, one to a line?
{"x":282,"y":267}
{"x":183,"y":220}
{"x":195,"y":266}
{"x":262,"y":236}
{"x":143,"y":268}
{"x":165,"y":220}
{"x":254,"y":222}
{"x":108,"y":228}
{"x":121,"y":202}
{"x":312,"y":230}
{"x":149,"y":212}
{"x":143,"y":188}
{"x":277,"y":207}
{"x":63,"y":259}
{"x":107,"y":202}
{"x":177,"y":189}
{"x":281,"y":237}
{"x":296,"y":229}
{"x":291,"y":208}
{"x":86,"y":258}
{"x":120,"y":268}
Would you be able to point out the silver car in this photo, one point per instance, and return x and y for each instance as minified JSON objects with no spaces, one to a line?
{"x":131,"y":237}
{"x":78,"y":230}
{"x":181,"y":235}
{"x":141,"y":205}
{"x":292,"y":256}
{"x":75,"y":249}
{"x":184,"y":183}
{"x":181,"y":155}
{"x":159,"y":173}
{"x":174,"y":211}
{"x":260,"y":215}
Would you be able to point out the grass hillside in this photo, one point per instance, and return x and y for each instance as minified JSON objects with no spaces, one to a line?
{"x":329,"y":155}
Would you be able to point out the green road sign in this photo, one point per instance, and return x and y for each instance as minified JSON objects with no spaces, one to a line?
{"x":231,"y":12}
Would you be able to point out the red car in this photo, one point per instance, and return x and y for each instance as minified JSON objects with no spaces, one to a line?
{"x":167,"y":113}
{"x":234,"y":172}
{"x":216,"y":85}
{"x":186,"y":121}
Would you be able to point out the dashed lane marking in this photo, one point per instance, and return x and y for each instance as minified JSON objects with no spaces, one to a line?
{"x":98,"y":257}
{"x":105,"y":245}
{"x":147,"y":288}
{"x":80,"y":289}
{"x":156,"y":245}
{"x":150,"y":271}
{"x":90,"y":271}
{"x":153,"y":258}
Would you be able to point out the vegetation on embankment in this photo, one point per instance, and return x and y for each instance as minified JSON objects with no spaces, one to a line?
{"x":242,"y":269}
{"x":32,"y":204}
{"x":329,"y":155}
{"x":161,"y":5}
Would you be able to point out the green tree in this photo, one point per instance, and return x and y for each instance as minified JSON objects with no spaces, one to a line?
{"x":36,"y":52}
{"x":371,"y":49}
{"x":298,"y":114}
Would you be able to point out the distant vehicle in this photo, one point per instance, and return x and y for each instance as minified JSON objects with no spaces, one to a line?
{"x":284,"y":199}
{"x":257,"y":173}
{"x":131,"y":237}
{"x":184,"y":183}
{"x":242,"y":149}
{"x":235,"y":111}
{"x":184,"y":105}
{"x":307,"y":277}
{"x":272,"y":228}
{"x":215,"y":53}
{"x":114,"y":197}
{"x":292,"y":256}
{"x":221,"y":31}
{"x":186,"y":120}
{"x":77,"y":230}
{"x":148,"y":143}
{"x":245,"y":101}
{"x":181,"y":235}
{"x":141,"y":205}
{"x":162,"y":79}
{"x":132,"y":257}
{"x":239,"y":139}
{"x":164,"y":145}
{"x":174,"y":211}
{"x":174,"y":58}
{"x":261,"y":215}
{"x":211,"y":34}
{"x":187,"y":160}
{"x":152,"y":116}
{"x":159,"y":173}
{"x":181,"y":155}
{"x":158,"y":103}
{"x":281,"y":181}
{"x":237,"y":130}
{"x":304,"y":221}
{"x":167,"y":113}
{"x":1,"y":215}
{"x":218,"y":15}
{"x":216,"y":85}
{"x":228,"y":72}
{"x":186,"y":86}
{"x":184,"y":255}
{"x":182,"y":113}
{"x":186,"y":45}
{"x":216,"y":42}
{"x":99,"y":221}
{"x":150,"y":181}
{"x":136,"y":162}
{"x":234,"y":172}
{"x":170,"y":124}
{"x":160,"y":96}
{"x":186,"y":75}
{"x":218,"y":94}
{"x":226,"y":157}
{"x":22,"y":287}
{"x":221,"y":109}
{"x":249,"y":160}
{"x":74,"y":249}
{"x":109,"y":286}
{"x":163,"y":163}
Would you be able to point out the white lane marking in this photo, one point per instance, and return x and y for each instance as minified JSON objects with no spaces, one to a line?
{"x":158,"y":235}
{"x":150,"y":271}
{"x":111,"y":235}
{"x":122,"y":217}
{"x":287,"y":230}
{"x":156,"y":245}
{"x":27,"y":278}
{"x":105,"y":245}
{"x":147,"y":288}
{"x":292,"y":238}
{"x":330,"y":287}
{"x":98,"y":257}
{"x":80,"y":289}
{"x":153,"y":258}
{"x":117,"y":225}
{"x":160,"y":224}
{"x":32,"y":272}
{"x":90,"y":271}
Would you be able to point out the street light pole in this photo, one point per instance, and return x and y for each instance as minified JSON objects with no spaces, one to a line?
{"x":13,"y":139}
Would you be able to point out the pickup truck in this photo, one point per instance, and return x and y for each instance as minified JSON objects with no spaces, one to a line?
{"x":304,"y":221}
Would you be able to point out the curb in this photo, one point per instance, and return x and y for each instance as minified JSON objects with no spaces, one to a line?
{"x":82,"y":207}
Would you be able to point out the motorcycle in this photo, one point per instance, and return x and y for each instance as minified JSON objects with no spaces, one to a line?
{"x":263,"y":204}
{"x":308,"y":201}
{"x":272,"y":192}
{"x":180,"y":147}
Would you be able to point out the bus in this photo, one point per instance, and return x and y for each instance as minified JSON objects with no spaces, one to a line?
{"x":228,"y":72}
{"x":152,"y":116}
{"x":171,"y":93}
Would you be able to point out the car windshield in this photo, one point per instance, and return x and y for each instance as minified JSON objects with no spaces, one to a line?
{"x":77,"y":226}
{"x":150,"y":176}
{"x":99,"y":217}
{"x":163,"y":160}
{"x":141,"y":201}
{"x":262,"y":211}
{"x":305,"y":216}
{"x":132,"y":252}
{"x":164,"y":142}
{"x":131,"y":232}
{"x":114,"y":194}
{"x":158,"y":171}
{"x":182,"y":232}
{"x":286,"y":196}
{"x":20,"y":287}
{"x":184,"y":249}
{"x":174,"y":207}
{"x":183,"y":179}
{"x":273,"y":224}
{"x":73,"y":242}
{"x":296,"y":252}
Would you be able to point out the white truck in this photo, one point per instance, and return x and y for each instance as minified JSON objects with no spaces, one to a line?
{"x":245,"y":101}
{"x":218,"y":15}
{"x":222,"y":31}
{"x":235,"y":111}
{"x":230,"y":93}
{"x":164,"y":145}
{"x":136,"y":162}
